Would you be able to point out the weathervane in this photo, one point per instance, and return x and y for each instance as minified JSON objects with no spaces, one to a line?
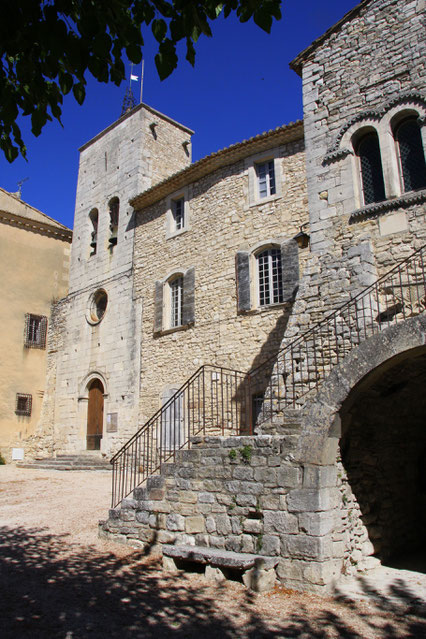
{"x":20,"y":183}
{"x":129,"y":101}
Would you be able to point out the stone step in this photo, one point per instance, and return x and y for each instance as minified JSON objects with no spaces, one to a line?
{"x":68,"y":462}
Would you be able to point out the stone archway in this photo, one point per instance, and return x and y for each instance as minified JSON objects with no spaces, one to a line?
{"x":321,"y":420}
{"x":383,"y":458}
{"x":371,"y":410}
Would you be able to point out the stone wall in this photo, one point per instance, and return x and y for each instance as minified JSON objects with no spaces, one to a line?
{"x":119,"y":162}
{"x":221,"y":222}
{"x":240,"y":494}
{"x":373,"y":60}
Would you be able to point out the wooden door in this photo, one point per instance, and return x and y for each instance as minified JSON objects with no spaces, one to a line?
{"x":95,"y":415}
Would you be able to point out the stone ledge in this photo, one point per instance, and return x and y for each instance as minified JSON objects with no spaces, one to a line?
{"x":379,"y":208}
{"x":218,"y":557}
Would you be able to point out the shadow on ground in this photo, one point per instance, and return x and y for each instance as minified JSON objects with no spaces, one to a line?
{"x":49,"y":589}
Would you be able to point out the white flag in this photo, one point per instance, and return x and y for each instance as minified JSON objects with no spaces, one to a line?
{"x":134,"y":77}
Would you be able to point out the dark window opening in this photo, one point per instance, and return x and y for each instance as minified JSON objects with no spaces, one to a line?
{"x":94,"y":216}
{"x":178,"y":209}
{"x":114,"y":212}
{"x":35,"y":331}
{"x":23,"y":404}
{"x":373,"y":185}
{"x":411,"y":155}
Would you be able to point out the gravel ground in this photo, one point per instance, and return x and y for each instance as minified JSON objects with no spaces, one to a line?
{"x":58,"y":580}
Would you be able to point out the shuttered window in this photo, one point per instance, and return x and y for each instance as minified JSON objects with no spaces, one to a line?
{"x":275,"y":276}
{"x":176,"y":302}
{"x":270,"y":277}
{"x":35,"y":331}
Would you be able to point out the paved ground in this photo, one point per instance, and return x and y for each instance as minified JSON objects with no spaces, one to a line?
{"x":58,"y":580}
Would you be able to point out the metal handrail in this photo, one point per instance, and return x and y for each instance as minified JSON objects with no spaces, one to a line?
{"x":219,"y":400}
{"x":214,"y":400}
{"x":299,"y":367}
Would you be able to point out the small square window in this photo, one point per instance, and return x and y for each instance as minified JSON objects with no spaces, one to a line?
{"x":265,"y":172}
{"x":23,"y":404}
{"x":178,"y":212}
{"x":35,"y":331}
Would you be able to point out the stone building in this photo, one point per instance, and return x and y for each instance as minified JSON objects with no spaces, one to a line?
{"x":267,"y":334}
{"x":34,"y":254}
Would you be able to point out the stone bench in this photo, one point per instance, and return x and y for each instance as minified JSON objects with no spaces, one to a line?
{"x":258,"y":570}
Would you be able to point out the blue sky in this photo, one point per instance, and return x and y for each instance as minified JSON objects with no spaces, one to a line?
{"x":241,"y":86}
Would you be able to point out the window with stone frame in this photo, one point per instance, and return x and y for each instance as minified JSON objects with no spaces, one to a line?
{"x":269,"y":277}
{"x":411,"y":154}
{"x":265,"y":173}
{"x":175,"y":301}
{"x":24,"y":404}
{"x":367,"y":149}
{"x":35,"y":331}
{"x":178,"y":214}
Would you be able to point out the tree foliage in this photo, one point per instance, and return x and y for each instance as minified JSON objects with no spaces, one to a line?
{"x":48,"y":46}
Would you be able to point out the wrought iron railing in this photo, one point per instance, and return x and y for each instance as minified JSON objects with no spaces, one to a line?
{"x":214,"y":401}
{"x":221,"y":401}
{"x":285,"y":380}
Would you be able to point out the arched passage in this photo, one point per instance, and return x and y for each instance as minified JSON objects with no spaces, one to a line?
{"x":371,"y":409}
{"x":95,"y":414}
{"x":383,"y":454}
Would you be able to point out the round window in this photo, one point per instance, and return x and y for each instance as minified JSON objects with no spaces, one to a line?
{"x":97,"y":306}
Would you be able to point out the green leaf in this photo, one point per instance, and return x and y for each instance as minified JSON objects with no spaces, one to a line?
{"x":65,"y":82}
{"x":159,"y":30}
{"x":11,"y":152}
{"x":166,"y":59}
{"x":263,"y":20}
{"x":190,"y":51}
{"x":134,"y":53}
{"x":79,"y":92}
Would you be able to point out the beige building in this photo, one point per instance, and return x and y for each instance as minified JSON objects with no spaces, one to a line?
{"x":34,"y":258}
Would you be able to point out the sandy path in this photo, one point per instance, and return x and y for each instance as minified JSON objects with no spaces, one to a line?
{"x":58,"y":580}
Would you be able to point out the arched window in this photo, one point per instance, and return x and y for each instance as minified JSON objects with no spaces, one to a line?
{"x":94,"y":217}
{"x":368,"y":151}
{"x":114,"y":211}
{"x":411,"y":155}
{"x":269,"y":277}
{"x":176,"y":301}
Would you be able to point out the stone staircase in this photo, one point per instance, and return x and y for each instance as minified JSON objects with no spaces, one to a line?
{"x":219,"y":503}
{"x":81,"y":461}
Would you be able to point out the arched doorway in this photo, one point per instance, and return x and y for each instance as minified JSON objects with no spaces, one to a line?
{"x":383,"y":455}
{"x":95,"y":414}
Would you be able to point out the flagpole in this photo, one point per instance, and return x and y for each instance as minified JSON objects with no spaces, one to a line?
{"x":143,"y":65}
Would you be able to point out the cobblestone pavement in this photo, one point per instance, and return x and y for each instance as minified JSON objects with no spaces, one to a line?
{"x":59,"y":581}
